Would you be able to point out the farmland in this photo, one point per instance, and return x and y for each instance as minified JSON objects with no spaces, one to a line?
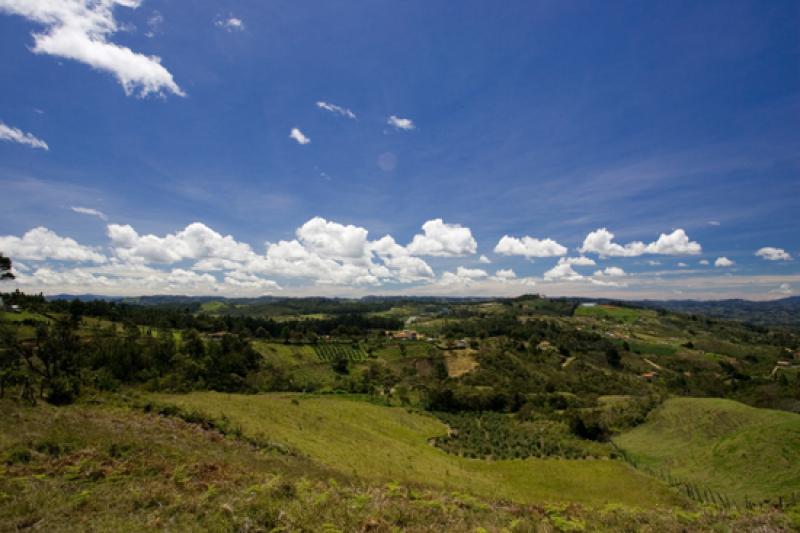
{"x":492,"y":409}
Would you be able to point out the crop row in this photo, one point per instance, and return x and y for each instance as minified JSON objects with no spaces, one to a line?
{"x":335,"y":352}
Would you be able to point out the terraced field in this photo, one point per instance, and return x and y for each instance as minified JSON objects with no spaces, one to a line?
{"x":391,"y":445}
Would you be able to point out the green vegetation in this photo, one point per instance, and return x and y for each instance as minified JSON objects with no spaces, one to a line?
{"x":622,"y":314}
{"x":501,"y":436}
{"x":552,"y":409}
{"x":390,"y":444}
{"x":731,"y":448}
{"x":330,"y":352}
{"x":104,"y":468}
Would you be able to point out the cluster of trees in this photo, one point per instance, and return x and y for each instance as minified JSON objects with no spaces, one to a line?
{"x":500,"y":436}
{"x":183,"y":317}
{"x":57,"y":362}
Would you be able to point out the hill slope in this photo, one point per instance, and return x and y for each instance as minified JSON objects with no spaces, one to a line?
{"x":390,"y":444}
{"x":734,"y":449}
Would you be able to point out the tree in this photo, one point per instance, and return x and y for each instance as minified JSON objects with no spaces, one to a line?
{"x":613,"y":358}
{"x":5,"y":268}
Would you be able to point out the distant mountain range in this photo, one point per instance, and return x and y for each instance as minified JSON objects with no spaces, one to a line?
{"x":783,"y":312}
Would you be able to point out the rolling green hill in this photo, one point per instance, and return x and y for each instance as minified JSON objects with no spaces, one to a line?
{"x":729,"y":447}
{"x":391,"y":445}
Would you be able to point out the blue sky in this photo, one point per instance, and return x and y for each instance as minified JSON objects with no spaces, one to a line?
{"x":551,"y":120}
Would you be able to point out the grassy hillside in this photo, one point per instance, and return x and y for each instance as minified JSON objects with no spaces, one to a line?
{"x":101,"y":468}
{"x":390,"y":445}
{"x":729,"y":447}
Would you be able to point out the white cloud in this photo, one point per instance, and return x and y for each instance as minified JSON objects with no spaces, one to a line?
{"x":399,"y":261}
{"x":244,"y":280}
{"x":505,"y":274}
{"x":7,"y":133}
{"x":443,"y":240}
{"x":79,"y":30}
{"x":90,"y":211}
{"x":229,"y":23}
{"x":653,"y":262}
{"x":462,"y":276}
{"x":601,"y":242}
{"x":682,"y":265}
{"x":577,"y":261}
{"x":774,"y":254}
{"x":485,"y":260}
{"x":196,"y":241}
{"x":154,"y":24}
{"x":610,"y":272}
{"x":704,"y":262}
{"x":334,"y":254}
{"x":333,"y":108}
{"x":562,"y":272}
{"x":298,"y":136}
{"x":676,"y":243}
{"x":40,"y":244}
{"x":401,"y":123}
{"x":330,"y":239}
{"x":529,"y":247}
{"x":723,"y":262}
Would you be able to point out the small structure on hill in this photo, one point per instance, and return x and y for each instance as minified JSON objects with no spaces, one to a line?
{"x":404,"y":335}
{"x":649,"y":376}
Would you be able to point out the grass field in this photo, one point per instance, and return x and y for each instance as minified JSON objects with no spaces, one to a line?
{"x":623,"y":314}
{"x":729,"y":447}
{"x":390,"y":445}
{"x":104,"y":468}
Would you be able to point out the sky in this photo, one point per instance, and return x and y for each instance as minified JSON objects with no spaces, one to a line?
{"x":617,"y":149}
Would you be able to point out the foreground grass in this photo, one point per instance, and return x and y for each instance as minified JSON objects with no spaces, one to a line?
{"x":383,"y":444}
{"x":729,"y":447}
{"x":103,"y":468}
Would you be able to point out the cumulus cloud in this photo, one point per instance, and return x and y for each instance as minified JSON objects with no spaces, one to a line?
{"x":562,"y":272}
{"x":338,"y":110}
{"x":127,"y":279}
{"x":577,"y":261}
{"x":196,"y":241}
{"x":610,"y":272}
{"x":7,"y":133}
{"x":723,"y":262}
{"x":79,"y":30}
{"x":601,"y":242}
{"x":298,"y":136}
{"x":773,"y":254}
{"x":704,"y":262}
{"x":462,"y":276}
{"x":529,"y":247}
{"x":404,"y":267}
{"x":401,"y":123}
{"x":443,"y":240}
{"x":40,"y":244}
{"x":485,"y":260}
{"x":505,"y":275}
{"x":89,"y":211}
